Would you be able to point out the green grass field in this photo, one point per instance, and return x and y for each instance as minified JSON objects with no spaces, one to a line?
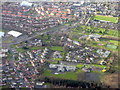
{"x":30,"y":48}
{"x":66,"y":75}
{"x":106,"y":33}
{"x":79,"y":65}
{"x":57,"y":59}
{"x":94,"y":65}
{"x":106,"y":18}
{"x":70,"y":75}
{"x":101,"y":66}
{"x":36,"y":48}
{"x":57,"y":48}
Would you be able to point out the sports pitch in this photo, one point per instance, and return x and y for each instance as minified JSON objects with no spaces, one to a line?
{"x":106,"y":18}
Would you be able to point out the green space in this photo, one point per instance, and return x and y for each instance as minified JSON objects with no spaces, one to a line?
{"x":87,"y":30}
{"x":57,"y":59}
{"x":79,"y":65}
{"x":7,"y":41}
{"x":111,"y":46}
{"x":20,"y":50}
{"x":107,"y":36}
{"x":114,"y":42}
{"x":106,"y":18}
{"x":36,"y":48}
{"x":28,"y":48}
{"x":95,"y":45}
{"x":88,"y":65}
{"x":3,"y":30}
{"x":52,"y":62}
{"x":56,"y":48}
{"x":95,"y":65}
{"x":66,"y":75}
{"x":9,"y":55}
{"x":4,"y":87}
{"x":29,"y":65}
{"x":70,"y":75}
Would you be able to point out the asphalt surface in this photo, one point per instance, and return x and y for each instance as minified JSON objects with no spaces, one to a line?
{"x":25,"y":37}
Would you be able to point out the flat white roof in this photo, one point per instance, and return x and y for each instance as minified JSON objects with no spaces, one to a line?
{"x":25,"y":3}
{"x":1,"y":34}
{"x":14,"y":33}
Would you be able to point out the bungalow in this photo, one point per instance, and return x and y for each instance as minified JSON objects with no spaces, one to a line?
{"x":94,"y":36}
{"x":76,"y":42}
{"x":52,"y":66}
{"x":56,"y":54}
{"x":61,"y":69}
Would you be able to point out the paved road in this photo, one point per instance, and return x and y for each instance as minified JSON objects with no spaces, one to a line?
{"x":25,"y":37}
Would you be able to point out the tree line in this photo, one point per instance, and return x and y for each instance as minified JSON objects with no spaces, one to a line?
{"x":73,"y":83}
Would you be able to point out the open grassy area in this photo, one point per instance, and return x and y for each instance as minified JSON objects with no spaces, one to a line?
{"x":56,"y":48}
{"x":95,"y":65}
{"x":52,"y":62}
{"x":92,"y":43}
{"x":71,"y":75}
{"x":57,"y":59}
{"x":111,"y":46}
{"x":79,"y":65}
{"x":114,"y":42}
{"x":29,"y":48}
{"x":109,"y":34}
{"x":106,"y":18}
{"x":36,"y":48}
{"x":94,"y":30}
{"x":20,"y":50}
{"x":66,"y":75}
{"x":7,"y":41}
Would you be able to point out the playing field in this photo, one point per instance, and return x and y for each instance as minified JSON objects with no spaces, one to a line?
{"x":106,"y":18}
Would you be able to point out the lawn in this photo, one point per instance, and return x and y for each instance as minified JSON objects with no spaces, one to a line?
{"x":95,"y":65}
{"x":79,"y":65}
{"x":114,"y":42}
{"x":36,"y":48}
{"x":66,"y":75}
{"x":88,"y":65}
{"x":93,"y":44}
{"x":94,"y":30}
{"x":7,"y":41}
{"x":20,"y":50}
{"x":52,"y":62}
{"x":29,"y":48}
{"x":57,"y":59}
{"x":69,"y":75}
{"x":106,"y":18}
{"x":57,"y":48}
{"x":111,"y":46}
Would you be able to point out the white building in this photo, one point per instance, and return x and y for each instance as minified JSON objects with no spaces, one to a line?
{"x":1,"y":34}
{"x":14,"y":33}
{"x":25,"y":3}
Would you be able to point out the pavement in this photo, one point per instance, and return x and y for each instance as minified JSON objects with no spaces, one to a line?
{"x":25,"y":37}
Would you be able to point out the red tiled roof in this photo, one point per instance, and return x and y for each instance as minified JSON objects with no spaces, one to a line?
{"x":9,"y":11}
{"x":58,"y":14}
{"x":19,"y":15}
{"x":29,"y":16}
{"x":4,"y":10}
{"x":64,"y":17}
